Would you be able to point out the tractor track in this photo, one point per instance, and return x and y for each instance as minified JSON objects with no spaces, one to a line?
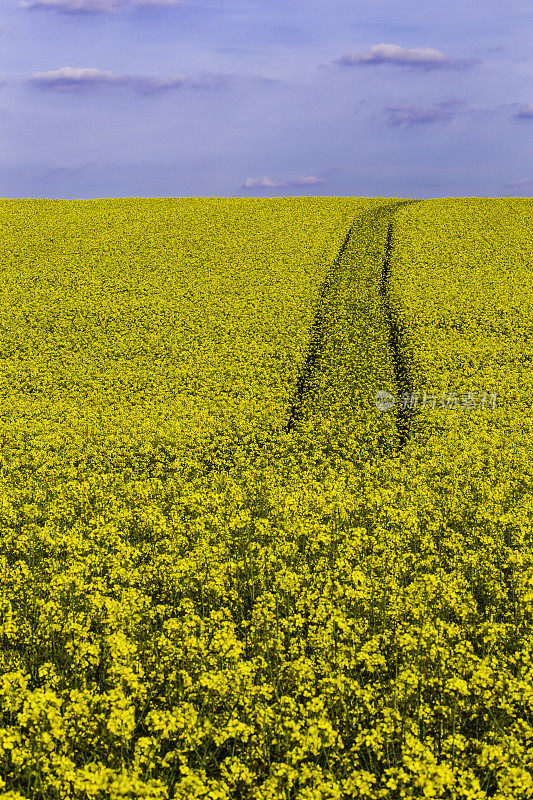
{"x":317,"y":340}
{"x":404,"y":384}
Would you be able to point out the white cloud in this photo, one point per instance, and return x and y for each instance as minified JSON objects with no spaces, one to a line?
{"x":251,"y":183}
{"x":83,"y":78}
{"x":75,"y":6}
{"x":95,"y":6}
{"x":268,"y":182}
{"x":73,"y":76}
{"x":309,"y":180}
{"x":520,"y":182}
{"x":157,"y":3}
{"x":422,"y":58}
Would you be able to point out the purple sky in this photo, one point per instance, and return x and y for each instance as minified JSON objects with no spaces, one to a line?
{"x":248,"y":98}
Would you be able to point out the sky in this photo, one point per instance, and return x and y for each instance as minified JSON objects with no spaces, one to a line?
{"x":266,"y":98}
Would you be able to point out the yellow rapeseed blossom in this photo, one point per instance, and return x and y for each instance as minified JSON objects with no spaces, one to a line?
{"x":226,"y":571}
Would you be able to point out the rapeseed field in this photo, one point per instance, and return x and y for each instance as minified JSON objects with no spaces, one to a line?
{"x":227,"y":571}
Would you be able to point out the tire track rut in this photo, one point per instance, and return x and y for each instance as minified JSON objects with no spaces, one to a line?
{"x":318,"y":333}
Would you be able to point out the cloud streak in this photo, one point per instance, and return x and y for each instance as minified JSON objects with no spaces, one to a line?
{"x":424,"y":58}
{"x":409,"y":115}
{"x":520,"y":182}
{"x":95,"y":6}
{"x":526,"y":112}
{"x":266,"y":182}
{"x":79,"y":79}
